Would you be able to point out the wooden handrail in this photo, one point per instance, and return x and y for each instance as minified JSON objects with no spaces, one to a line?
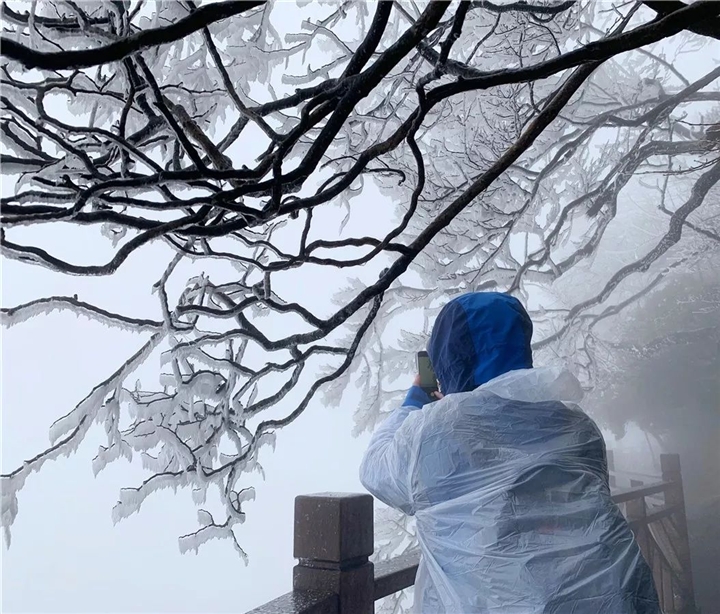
{"x":659,"y":514}
{"x":334,"y":539}
{"x":396,"y":574}
{"x":301,"y":602}
{"x":640,"y":492}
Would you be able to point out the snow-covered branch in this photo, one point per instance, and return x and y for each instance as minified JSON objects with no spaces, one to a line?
{"x":474,"y":145}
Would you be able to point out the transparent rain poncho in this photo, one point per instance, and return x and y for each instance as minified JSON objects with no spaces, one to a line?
{"x":508,"y":481}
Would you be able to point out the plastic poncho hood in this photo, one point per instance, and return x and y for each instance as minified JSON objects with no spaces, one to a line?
{"x":507,"y":480}
{"x":477,"y":337}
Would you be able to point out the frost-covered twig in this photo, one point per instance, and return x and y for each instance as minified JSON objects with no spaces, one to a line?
{"x":64,"y":60}
{"x":12,"y":316}
{"x":70,"y":430}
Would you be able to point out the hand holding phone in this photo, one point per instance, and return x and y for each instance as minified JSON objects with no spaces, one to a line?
{"x":428,"y":381}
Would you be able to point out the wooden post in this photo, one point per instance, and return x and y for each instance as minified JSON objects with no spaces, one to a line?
{"x":647,"y":544}
{"x":668,"y":591}
{"x":333,"y":540}
{"x":671,"y":472}
{"x":610,"y":456}
{"x":636,"y":514}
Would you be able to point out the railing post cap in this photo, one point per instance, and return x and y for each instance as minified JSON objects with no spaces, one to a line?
{"x":670,"y":462}
{"x":333,"y":527}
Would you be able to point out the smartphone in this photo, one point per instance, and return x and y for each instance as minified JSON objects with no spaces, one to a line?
{"x":428,"y":381}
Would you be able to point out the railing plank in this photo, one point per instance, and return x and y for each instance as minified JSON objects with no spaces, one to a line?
{"x":658,"y":514}
{"x":641,"y":491}
{"x":396,"y":574}
{"x":300,"y":602}
{"x":671,"y":471}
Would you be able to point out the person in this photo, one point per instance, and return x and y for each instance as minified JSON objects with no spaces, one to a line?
{"x":507,"y":479}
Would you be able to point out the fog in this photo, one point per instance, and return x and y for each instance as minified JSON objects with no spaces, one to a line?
{"x":656,"y":388}
{"x":669,"y":392}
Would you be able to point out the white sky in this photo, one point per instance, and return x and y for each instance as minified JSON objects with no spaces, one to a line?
{"x":66,"y":555}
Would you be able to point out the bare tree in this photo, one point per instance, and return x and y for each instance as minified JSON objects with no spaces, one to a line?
{"x":484,"y":126}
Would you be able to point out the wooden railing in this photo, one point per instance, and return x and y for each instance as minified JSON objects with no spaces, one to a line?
{"x":334,"y":539}
{"x":660,"y":527}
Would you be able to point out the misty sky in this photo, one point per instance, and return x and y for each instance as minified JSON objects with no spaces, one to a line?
{"x":66,"y":555}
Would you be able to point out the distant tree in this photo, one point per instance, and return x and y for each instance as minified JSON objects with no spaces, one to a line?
{"x":665,"y":377}
{"x":500,"y":140}
{"x":666,"y":360}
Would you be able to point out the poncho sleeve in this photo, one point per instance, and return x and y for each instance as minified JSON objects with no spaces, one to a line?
{"x":387,"y":466}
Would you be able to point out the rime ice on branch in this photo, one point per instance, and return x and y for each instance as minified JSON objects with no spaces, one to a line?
{"x":500,"y":140}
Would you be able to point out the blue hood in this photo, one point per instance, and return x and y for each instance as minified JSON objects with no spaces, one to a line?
{"x":477,"y":337}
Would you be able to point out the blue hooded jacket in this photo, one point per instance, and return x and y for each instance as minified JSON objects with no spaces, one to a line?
{"x":507,"y":479}
{"x":476,"y":337}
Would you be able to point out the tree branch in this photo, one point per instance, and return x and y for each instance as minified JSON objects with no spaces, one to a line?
{"x":663,"y":8}
{"x":114,"y":52}
{"x":592,"y":52}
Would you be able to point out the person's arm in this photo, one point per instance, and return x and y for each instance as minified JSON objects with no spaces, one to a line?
{"x":385,"y":468}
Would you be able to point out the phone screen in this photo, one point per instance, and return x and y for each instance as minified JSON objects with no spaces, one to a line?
{"x":428,"y":382}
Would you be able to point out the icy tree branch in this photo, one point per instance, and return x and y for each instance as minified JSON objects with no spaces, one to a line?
{"x":498,"y":144}
{"x":145,"y":39}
